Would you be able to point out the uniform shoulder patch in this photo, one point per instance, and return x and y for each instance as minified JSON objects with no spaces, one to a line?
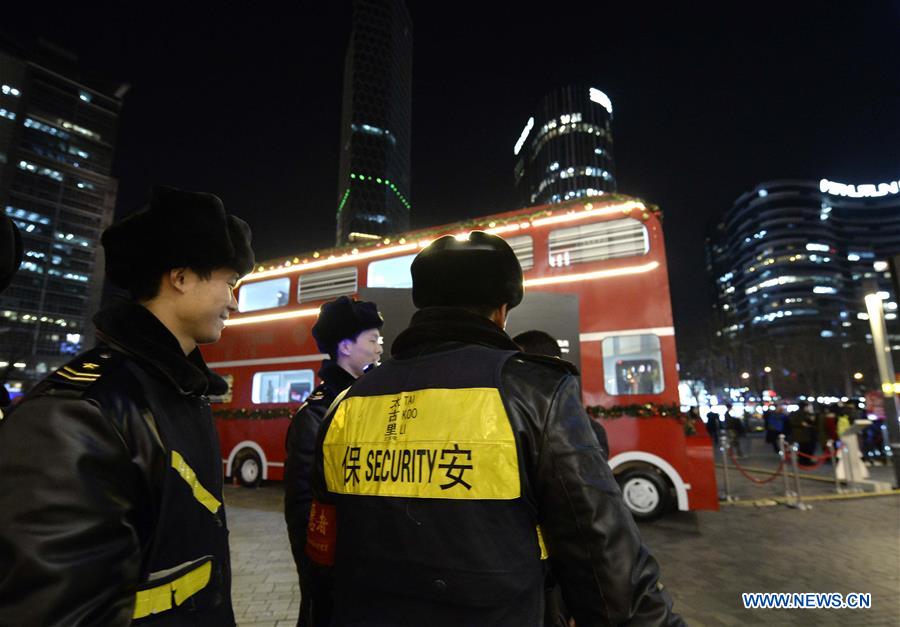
{"x":86,"y":369}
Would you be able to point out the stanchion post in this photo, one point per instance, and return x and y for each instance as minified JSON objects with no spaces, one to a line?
{"x":849,"y":473}
{"x":837,"y":482}
{"x":783,"y":455}
{"x":724,"y":446}
{"x":798,"y":503}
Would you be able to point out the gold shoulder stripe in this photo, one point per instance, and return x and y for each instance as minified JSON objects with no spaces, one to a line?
{"x":93,"y":375}
{"x":76,"y":377}
{"x":203,"y":496}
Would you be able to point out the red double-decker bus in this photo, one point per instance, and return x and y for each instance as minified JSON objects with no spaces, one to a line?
{"x":595,"y":279}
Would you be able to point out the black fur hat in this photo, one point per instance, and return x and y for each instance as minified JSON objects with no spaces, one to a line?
{"x":480,"y":270}
{"x":10,"y":251}
{"x":177,"y":229}
{"x":344,"y":318}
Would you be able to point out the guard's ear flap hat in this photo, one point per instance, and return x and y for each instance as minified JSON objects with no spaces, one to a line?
{"x":177,"y":229}
{"x":481,"y":269}
{"x":344,"y":318}
{"x":10,"y":251}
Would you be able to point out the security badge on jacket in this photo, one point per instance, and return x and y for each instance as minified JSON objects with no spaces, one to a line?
{"x":418,"y":444}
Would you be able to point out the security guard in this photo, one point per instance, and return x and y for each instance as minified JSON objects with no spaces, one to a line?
{"x":448,"y":476}
{"x":110,"y":469}
{"x":348,"y":331}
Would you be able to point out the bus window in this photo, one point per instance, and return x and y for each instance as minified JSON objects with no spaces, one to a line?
{"x":626,"y":237}
{"x":282,"y":386}
{"x":524,"y":248}
{"x":264,"y":294}
{"x":326,"y":284}
{"x":632,"y":364}
{"x":390,"y":272}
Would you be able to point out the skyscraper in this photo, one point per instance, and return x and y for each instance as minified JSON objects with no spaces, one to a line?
{"x":57,"y":137}
{"x":374,"y":184}
{"x":792,"y":261}
{"x":565,"y":150}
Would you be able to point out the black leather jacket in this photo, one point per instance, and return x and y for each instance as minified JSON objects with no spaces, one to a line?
{"x":315,"y":597}
{"x":437,"y":561}
{"x":111,"y":488}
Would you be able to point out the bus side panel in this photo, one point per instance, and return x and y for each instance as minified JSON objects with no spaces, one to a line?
{"x":268,"y":433}
{"x":704,"y":493}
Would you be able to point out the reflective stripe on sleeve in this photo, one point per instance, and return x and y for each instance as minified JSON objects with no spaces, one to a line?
{"x":200,"y":493}
{"x":160,"y":598}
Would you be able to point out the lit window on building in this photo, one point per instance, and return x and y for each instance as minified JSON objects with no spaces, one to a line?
{"x":9,"y":90}
{"x":84,"y":95}
{"x":9,"y":115}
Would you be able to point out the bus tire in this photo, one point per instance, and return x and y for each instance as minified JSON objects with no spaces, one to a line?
{"x":646,"y":492}
{"x":248,"y":468}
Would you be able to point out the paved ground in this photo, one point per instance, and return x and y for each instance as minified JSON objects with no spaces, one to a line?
{"x":707,"y":558}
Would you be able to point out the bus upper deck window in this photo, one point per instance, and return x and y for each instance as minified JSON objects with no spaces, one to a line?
{"x":264,"y":294}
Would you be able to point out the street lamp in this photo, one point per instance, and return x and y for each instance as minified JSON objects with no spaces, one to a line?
{"x":745,"y":375}
{"x":858,"y":376}
{"x":882,"y":348}
{"x":767,"y":369}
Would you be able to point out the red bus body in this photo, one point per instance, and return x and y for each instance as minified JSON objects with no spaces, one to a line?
{"x":619,"y":296}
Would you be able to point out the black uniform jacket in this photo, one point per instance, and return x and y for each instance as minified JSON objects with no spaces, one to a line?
{"x":111,"y":488}
{"x":301,"y":444}
{"x":444,"y":556}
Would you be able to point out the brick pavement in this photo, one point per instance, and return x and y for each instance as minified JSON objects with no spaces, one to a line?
{"x":707,"y":560}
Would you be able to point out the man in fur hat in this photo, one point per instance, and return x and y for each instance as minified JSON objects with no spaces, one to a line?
{"x":452,"y":472}
{"x":348,"y":331}
{"x":110,"y":469}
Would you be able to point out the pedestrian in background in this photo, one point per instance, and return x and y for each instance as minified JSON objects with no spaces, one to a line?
{"x":803,"y":430}
{"x":110,"y":469}
{"x":461,"y":463}
{"x":348,"y":331}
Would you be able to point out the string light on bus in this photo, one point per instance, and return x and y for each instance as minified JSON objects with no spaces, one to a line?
{"x":333,"y":259}
{"x":283,"y":315}
{"x":591,"y":276}
{"x":589,"y":211}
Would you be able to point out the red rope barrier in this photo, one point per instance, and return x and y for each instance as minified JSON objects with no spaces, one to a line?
{"x":821,"y":460}
{"x":753,"y":479}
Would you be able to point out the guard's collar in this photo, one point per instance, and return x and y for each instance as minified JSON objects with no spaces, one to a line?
{"x":134,"y":330}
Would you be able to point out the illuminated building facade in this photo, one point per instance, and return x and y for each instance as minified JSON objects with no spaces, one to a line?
{"x":792,"y":260}
{"x":565,"y":150}
{"x":374,"y":184}
{"x":57,"y":138}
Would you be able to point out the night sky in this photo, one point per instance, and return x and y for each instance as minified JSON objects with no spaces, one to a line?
{"x":708,"y":102}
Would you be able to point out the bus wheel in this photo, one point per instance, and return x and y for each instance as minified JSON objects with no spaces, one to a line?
{"x":248,"y":468}
{"x":645,"y":492}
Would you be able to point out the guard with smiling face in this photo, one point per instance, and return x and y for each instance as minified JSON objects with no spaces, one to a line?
{"x":348,"y":331}
{"x":454,"y":475}
{"x":110,"y":469}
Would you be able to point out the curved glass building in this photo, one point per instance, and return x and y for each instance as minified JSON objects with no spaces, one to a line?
{"x":565,"y":149}
{"x":793,"y":259}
